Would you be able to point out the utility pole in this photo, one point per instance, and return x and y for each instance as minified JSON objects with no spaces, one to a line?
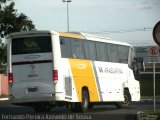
{"x":67,"y":1}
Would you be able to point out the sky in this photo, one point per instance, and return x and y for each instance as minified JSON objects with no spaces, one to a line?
{"x":129,"y":21}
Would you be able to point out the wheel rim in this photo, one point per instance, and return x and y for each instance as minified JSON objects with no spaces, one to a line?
{"x":126,"y":99}
{"x":85,"y":101}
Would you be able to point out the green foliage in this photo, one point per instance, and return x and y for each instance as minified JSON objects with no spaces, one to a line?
{"x":3,"y":57}
{"x":11,"y":21}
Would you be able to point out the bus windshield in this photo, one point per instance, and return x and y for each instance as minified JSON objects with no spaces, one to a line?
{"x":29,"y":45}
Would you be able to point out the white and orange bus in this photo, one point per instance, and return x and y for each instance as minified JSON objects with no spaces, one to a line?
{"x":48,"y":68}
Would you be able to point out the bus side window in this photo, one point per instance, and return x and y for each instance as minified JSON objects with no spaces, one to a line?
{"x":113,"y":53}
{"x":77,"y":48}
{"x":65,"y":47}
{"x":102,"y":51}
{"x":92,"y":50}
{"x":131,"y":61}
{"x":123,"y":52}
{"x":62,"y":41}
{"x":86,"y":51}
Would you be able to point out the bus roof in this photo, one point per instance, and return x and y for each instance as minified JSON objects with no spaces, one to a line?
{"x":79,"y":35}
{"x":92,"y":37}
{"x":24,"y":33}
{"x":69,"y":34}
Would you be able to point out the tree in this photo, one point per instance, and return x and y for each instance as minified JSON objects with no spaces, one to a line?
{"x":11,"y":21}
{"x":3,"y":57}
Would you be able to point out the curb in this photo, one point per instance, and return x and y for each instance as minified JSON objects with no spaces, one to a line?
{"x":3,"y":99}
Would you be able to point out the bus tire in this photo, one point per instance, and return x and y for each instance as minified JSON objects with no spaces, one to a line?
{"x":85,"y":101}
{"x":127,"y":100}
{"x":82,"y":106}
{"x":42,"y":108}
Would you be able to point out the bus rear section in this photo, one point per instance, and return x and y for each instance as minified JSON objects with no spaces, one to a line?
{"x":31,"y":71}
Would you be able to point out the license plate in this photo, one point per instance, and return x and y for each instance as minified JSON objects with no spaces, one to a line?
{"x":32,"y":89}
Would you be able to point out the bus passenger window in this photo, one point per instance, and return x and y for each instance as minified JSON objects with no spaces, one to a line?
{"x":113,"y":53}
{"x":77,"y":48}
{"x":102,"y":51}
{"x":65,"y":47}
{"x":86,"y":51}
{"x":92,"y":50}
{"x":123,"y":52}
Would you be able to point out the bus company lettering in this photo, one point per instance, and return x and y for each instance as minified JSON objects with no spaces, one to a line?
{"x":110,"y":70}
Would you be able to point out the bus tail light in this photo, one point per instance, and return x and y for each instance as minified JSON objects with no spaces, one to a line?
{"x":10,"y":78}
{"x":55,"y":76}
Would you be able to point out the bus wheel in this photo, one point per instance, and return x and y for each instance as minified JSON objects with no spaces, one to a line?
{"x":42,"y":108}
{"x":127,"y":100}
{"x":85,"y":101}
{"x":82,"y":106}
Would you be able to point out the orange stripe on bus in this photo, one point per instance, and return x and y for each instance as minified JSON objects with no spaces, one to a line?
{"x":65,"y":34}
{"x":83,"y":75}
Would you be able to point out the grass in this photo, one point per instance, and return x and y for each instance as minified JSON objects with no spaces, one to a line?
{"x":149,"y":114}
{"x":151,"y":111}
{"x":149,"y":97}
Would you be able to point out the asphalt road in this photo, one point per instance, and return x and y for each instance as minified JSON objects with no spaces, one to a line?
{"x":107,"y":112}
